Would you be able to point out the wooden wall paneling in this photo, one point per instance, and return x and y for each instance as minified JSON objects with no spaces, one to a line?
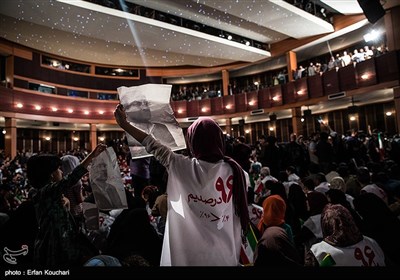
{"x":276,"y":95}
{"x":193,"y":108}
{"x":264,"y":98}
{"x":21,"y":83}
{"x":241,"y":102}
{"x":205,"y":107}
{"x":24,"y":53}
{"x":252,"y":100}
{"x":366,"y":73}
{"x":315,"y":86}
{"x":387,"y":66}
{"x":7,"y":99}
{"x":301,"y":89}
{"x":288,"y":93}
{"x":229,"y":104}
{"x":347,"y":77}
{"x":34,"y":70}
{"x":217,"y":106}
{"x":330,"y":80}
{"x":180,"y":108}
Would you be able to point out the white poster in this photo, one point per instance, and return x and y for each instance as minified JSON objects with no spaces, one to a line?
{"x":106,"y":181}
{"x":147,"y":107}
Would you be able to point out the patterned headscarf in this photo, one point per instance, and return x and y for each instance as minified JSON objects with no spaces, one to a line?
{"x":338,"y":226}
{"x":274,"y":212}
{"x":206,"y":142}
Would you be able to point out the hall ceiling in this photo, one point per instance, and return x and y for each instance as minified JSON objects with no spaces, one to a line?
{"x":89,"y":32}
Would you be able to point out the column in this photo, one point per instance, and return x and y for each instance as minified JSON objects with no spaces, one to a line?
{"x":396,"y":94}
{"x":93,"y":136}
{"x":228,"y":126}
{"x":291,"y":61}
{"x":10,"y":71}
{"x":392,"y":23}
{"x":225,"y":82}
{"x":11,"y":137}
{"x":296,"y":121}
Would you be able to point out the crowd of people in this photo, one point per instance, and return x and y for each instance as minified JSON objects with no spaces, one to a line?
{"x":312,"y":67}
{"x":329,"y":200}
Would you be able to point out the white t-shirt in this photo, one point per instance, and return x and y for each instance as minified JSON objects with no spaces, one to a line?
{"x":202,"y":228}
{"x":364,"y":253}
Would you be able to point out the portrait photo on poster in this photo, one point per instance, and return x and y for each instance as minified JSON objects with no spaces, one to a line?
{"x":148,"y":108}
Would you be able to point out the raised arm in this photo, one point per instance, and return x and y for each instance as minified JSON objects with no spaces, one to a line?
{"x":120,"y":117}
{"x":161,"y":153}
{"x":87,"y":160}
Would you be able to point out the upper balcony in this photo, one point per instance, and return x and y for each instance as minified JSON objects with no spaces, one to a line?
{"x":373,"y":76}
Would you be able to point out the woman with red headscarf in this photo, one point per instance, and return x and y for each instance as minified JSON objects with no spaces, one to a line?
{"x":276,"y":246}
{"x":207,"y":204}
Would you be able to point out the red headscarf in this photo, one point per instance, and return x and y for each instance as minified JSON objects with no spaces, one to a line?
{"x":274,"y":212}
{"x":206,"y":142}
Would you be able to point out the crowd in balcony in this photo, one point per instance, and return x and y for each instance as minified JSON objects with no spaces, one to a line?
{"x":316,"y":66}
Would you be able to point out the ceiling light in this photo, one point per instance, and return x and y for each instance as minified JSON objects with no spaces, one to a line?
{"x":389,"y":114}
{"x":70,"y":111}
{"x":101,"y":112}
{"x":54,"y":109}
{"x":47,"y":138}
{"x":4,"y":131}
{"x":19,"y":105}
{"x":247,"y":43}
{"x":38,"y":107}
{"x":86,"y":112}
{"x":229,"y":37}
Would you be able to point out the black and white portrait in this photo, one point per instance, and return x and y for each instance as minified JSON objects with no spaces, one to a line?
{"x":147,"y":107}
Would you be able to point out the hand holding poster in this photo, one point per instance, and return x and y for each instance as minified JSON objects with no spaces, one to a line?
{"x":147,"y":108}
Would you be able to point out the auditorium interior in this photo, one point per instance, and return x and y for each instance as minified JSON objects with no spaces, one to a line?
{"x":256,"y":67}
